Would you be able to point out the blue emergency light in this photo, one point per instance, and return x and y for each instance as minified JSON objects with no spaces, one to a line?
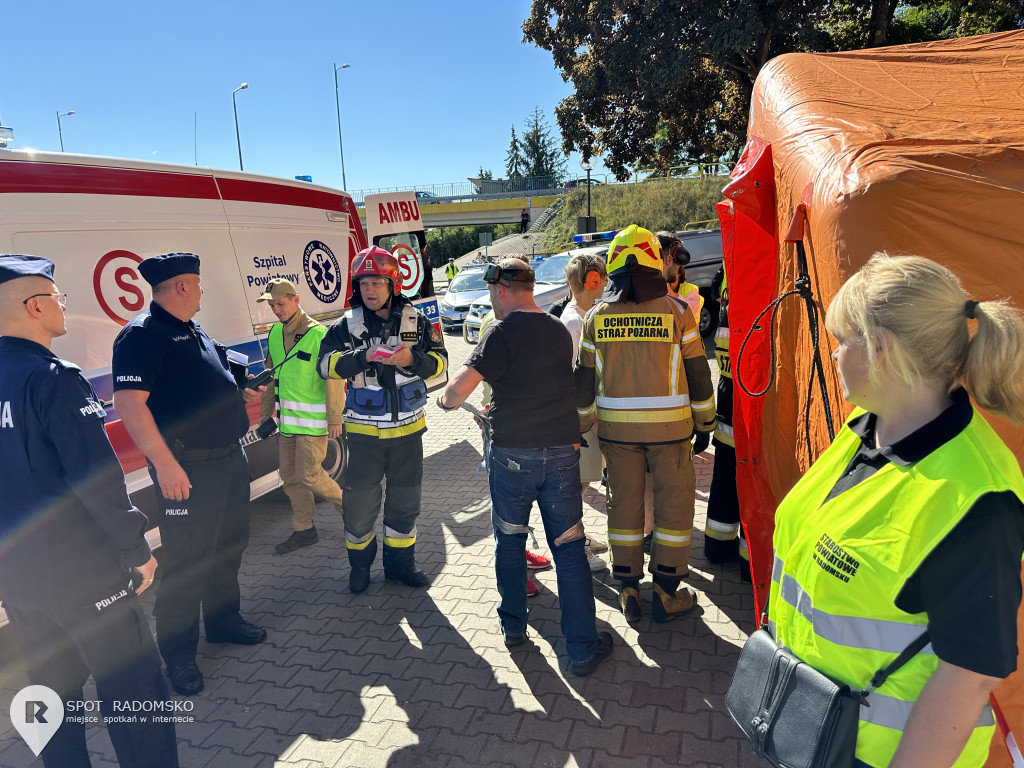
{"x":595,"y":237}
{"x":304,"y":178}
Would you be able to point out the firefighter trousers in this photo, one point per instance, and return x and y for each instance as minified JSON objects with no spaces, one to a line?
{"x":722,"y":530}
{"x":304,"y":476}
{"x":671,"y":468}
{"x":370,"y":460}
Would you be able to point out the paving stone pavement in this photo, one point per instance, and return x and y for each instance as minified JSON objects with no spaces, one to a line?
{"x":400,"y":677}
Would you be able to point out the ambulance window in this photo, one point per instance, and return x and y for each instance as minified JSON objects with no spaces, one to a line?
{"x":406,"y":239}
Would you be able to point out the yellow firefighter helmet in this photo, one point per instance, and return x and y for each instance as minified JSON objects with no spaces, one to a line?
{"x":635,"y":241}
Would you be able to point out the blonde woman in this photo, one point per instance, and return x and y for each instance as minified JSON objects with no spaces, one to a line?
{"x":912,"y":519}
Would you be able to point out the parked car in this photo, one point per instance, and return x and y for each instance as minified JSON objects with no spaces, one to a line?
{"x":424,"y":195}
{"x":573,"y":183}
{"x":465,"y":287}
{"x":705,"y":247}
{"x":550,"y":288}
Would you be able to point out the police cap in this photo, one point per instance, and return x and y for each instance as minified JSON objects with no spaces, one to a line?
{"x":156,"y":269}
{"x":278,"y":288}
{"x":14,"y":265}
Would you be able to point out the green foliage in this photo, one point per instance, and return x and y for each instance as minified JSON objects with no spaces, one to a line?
{"x":541,"y":153}
{"x":484,"y":173}
{"x":659,"y":81}
{"x":514,"y":161}
{"x":445,"y":243}
{"x":653,"y":205}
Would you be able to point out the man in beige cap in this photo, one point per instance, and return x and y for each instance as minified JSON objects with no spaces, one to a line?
{"x":309,"y":410}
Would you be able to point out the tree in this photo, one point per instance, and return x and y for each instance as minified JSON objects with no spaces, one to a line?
{"x":514,"y":159}
{"x":542,"y":155}
{"x":662,"y":79}
{"x":484,"y":174}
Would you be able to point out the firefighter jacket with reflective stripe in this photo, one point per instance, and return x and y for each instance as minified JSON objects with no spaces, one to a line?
{"x":301,"y":393}
{"x":291,"y":334}
{"x":723,"y":432}
{"x":383,"y":401}
{"x":840,"y":565}
{"x":642,"y":369}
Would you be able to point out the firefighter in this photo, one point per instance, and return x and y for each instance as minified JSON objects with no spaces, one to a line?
{"x":309,"y":411}
{"x":387,"y":349}
{"x":643,"y":373}
{"x":723,"y":539}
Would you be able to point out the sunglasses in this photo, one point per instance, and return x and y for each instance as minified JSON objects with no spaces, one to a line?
{"x":494,"y":274}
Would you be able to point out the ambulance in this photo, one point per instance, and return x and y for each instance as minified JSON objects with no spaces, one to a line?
{"x":97,"y":218}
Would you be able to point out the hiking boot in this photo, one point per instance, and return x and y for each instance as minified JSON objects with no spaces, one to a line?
{"x":668,"y":605}
{"x":602,"y":652}
{"x":297,"y":540}
{"x":629,"y":600}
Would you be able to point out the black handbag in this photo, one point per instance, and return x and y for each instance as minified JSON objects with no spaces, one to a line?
{"x":793,"y":715}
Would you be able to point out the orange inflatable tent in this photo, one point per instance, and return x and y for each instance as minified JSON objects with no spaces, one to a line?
{"x":914,"y":149}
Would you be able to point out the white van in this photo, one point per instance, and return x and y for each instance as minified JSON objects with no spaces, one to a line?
{"x":98,"y":217}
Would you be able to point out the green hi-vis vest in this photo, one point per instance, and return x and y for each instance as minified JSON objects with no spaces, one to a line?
{"x":300,"y":392}
{"x":840,"y":564}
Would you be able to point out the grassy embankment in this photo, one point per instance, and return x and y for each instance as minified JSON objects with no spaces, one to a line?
{"x":653,"y":205}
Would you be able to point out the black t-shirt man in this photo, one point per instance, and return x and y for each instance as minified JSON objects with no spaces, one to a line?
{"x":527,"y":359}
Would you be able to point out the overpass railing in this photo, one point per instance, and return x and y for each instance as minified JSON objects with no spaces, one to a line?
{"x":499,"y":189}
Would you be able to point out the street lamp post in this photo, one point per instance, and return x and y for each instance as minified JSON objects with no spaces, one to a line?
{"x":60,"y":133}
{"x":238,"y":137}
{"x":337,"y":104}
{"x":590,"y":223}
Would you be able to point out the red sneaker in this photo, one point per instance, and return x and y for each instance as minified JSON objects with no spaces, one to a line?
{"x":535,"y":561}
{"x":532,"y":588}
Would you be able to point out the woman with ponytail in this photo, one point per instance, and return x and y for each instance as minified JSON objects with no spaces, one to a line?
{"x":912,"y":520}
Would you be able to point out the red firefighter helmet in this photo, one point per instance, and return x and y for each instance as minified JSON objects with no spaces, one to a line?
{"x":377,"y":262}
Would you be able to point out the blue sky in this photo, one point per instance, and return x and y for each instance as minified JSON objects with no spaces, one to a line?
{"x":431,"y":93}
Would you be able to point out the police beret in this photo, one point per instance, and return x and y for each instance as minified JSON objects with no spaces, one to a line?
{"x":13,"y":265}
{"x":156,"y":269}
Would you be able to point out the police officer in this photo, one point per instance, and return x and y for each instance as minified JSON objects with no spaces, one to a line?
{"x":387,"y":349}
{"x":451,"y":270}
{"x":643,"y":373}
{"x":309,"y":410}
{"x":73,"y":554}
{"x":179,"y":397}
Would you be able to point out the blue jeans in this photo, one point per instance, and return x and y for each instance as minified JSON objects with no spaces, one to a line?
{"x":551,"y":477}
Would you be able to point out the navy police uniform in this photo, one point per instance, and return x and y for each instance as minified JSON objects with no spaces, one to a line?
{"x":196,"y":402}
{"x":69,"y":536}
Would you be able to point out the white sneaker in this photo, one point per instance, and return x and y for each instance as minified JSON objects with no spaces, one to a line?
{"x":596,"y":563}
{"x":596,"y":545}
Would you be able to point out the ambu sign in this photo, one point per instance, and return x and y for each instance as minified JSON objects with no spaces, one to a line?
{"x":392,"y":213}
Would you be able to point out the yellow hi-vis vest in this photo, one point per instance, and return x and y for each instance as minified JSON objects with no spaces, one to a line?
{"x":690,"y":294}
{"x":723,"y":430}
{"x":840,"y":564}
{"x":300,"y":392}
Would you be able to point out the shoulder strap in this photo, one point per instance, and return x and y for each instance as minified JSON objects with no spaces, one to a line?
{"x":906,"y":655}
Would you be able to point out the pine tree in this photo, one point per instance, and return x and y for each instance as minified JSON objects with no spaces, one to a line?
{"x":542,"y":155}
{"x":514,"y":158}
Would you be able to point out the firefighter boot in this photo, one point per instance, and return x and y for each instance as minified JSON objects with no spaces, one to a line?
{"x":360,"y":561}
{"x":629,"y":599}
{"x":669,"y":600}
{"x":400,"y":565}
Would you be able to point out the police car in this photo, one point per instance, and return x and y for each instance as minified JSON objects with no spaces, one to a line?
{"x":550,"y":288}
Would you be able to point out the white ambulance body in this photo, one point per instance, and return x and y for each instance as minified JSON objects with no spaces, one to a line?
{"x":97,"y":218}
